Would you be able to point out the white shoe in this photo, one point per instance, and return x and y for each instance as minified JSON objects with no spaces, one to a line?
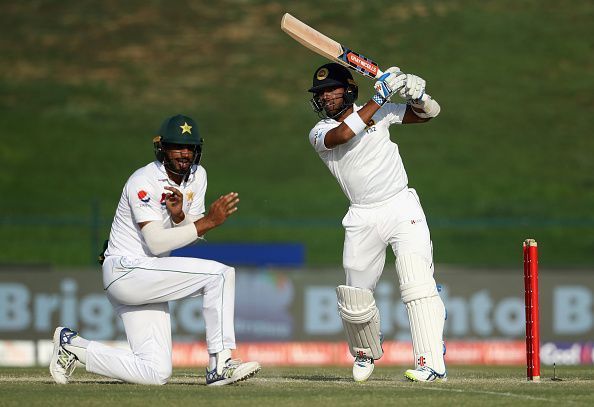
{"x":362,"y":368}
{"x":425,"y":374}
{"x":63,"y":362}
{"x":233,"y":371}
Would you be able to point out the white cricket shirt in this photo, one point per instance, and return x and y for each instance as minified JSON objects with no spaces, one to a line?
{"x":368,"y":167}
{"x":143,"y":200}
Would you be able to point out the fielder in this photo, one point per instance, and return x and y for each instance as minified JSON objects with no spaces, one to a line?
{"x":161,"y":209}
{"x":354,"y":143}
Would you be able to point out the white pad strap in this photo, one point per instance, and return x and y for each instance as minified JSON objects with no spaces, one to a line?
{"x":360,"y":318}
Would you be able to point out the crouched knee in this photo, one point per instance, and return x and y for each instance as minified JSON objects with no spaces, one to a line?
{"x":163,"y":374}
{"x":156,"y":375}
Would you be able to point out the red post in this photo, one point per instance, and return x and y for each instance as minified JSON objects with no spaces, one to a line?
{"x":531,"y":301}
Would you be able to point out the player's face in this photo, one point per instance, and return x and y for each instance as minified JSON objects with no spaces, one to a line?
{"x":180,"y":156}
{"x":332,"y":99}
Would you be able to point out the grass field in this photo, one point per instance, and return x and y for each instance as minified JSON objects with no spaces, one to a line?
{"x":83,"y":89}
{"x":315,"y":386}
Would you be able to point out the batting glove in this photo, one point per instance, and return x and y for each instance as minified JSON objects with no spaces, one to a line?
{"x":413,"y":89}
{"x":388,"y":84}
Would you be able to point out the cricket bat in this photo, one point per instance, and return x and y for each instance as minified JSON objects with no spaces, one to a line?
{"x":328,"y":48}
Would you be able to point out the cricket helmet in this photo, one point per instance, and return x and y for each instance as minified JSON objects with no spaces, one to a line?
{"x":333,"y":75}
{"x":178,"y":130}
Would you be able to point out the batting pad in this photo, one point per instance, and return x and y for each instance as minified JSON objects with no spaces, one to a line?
{"x":427,"y":318}
{"x":425,"y":308}
{"x":415,"y":275}
{"x":361,"y":320}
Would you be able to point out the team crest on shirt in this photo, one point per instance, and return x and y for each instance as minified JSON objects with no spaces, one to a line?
{"x":189,"y":196}
{"x":144,"y":196}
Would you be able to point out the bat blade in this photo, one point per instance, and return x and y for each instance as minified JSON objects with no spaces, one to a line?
{"x":328,"y":48}
{"x":310,"y":38}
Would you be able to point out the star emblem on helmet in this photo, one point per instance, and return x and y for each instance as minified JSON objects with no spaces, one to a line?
{"x":186,"y":128}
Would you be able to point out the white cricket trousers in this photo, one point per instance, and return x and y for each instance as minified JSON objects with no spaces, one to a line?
{"x":139,"y":290}
{"x":399,"y":222}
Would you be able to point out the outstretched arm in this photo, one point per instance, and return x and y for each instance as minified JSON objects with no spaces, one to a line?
{"x":160,"y":240}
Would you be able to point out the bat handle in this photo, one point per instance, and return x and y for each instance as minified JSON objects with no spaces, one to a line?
{"x":425,"y":97}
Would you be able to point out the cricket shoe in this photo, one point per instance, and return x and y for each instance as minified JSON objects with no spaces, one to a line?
{"x":63,"y":362}
{"x":233,"y":371}
{"x":364,"y":364}
{"x":362,"y":368}
{"x":425,"y":374}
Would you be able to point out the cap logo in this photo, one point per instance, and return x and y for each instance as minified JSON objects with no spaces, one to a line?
{"x":322,"y":74}
{"x":186,"y":128}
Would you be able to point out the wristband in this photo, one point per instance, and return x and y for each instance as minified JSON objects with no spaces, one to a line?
{"x":355,"y":123}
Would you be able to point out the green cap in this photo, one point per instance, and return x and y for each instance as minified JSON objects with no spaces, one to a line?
{"x":180,"y":129}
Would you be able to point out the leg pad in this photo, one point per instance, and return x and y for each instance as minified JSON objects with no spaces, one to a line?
{"x":361,"y":321}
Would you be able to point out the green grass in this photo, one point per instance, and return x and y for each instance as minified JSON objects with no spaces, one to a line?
{"x":84,"y":88}
{"x":469,"y":385}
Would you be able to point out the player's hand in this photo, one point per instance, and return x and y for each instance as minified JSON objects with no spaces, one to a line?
{"x":222,"y":208}
{"x":397,"y":79}
{"x":175,"y":204}
{"x":414,"y":88}
{"x":389,"y":83}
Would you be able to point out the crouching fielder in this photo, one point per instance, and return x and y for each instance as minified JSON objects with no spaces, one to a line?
{"x":354,"y":142}
{"x":161,"y":209}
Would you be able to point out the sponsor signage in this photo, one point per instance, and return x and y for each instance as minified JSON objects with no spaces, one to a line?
{"x":192,"y":354}
{"x":275,"y":305}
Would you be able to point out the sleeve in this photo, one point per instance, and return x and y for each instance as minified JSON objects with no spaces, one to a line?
{"x":160,"y":240}
{"x":394,"y":112}
{"x":143,"y":200}
{"x":318,"y":133}
{"x":198,"y":207}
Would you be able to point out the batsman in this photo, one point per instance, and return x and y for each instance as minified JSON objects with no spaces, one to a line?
{"x":354,"y":143}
